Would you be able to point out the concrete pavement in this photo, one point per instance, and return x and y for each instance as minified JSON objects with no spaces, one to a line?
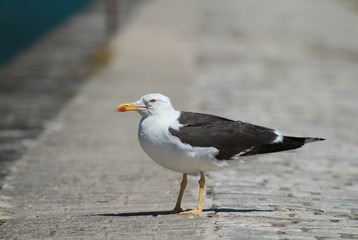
{"x":290,"y":65}
{"x":87,"y":178}
{"x":36,"y":84}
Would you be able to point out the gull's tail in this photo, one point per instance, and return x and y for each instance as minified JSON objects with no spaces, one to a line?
{"x":287,"y":143}
{"x":304,"y":140}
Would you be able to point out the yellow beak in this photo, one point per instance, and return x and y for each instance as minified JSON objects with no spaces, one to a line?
{"x":128,"y":107}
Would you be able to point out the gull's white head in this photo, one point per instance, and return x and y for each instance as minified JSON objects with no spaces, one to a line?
{"x":149,"y":105}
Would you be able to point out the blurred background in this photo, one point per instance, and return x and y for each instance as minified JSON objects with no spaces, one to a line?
{"x":47,"y":50}
{"x":295,"y":52}
{"x":23,"y":22}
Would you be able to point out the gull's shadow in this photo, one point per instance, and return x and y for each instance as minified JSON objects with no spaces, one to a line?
{"x":156,"y":213}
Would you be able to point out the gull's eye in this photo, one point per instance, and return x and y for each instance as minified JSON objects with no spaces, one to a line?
{"x":152,"y":101}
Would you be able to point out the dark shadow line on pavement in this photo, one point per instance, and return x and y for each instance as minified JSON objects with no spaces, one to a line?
{"x":156,"y":213}
{"x":216,"y":210}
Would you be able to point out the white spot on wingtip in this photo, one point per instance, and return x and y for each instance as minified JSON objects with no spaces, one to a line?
{"x":279,"y":137}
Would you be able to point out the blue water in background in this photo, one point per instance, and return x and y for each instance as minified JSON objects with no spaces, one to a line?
{"x":22,"y":22}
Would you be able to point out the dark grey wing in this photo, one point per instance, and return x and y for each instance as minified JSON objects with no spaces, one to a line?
{"x":230,"y":137}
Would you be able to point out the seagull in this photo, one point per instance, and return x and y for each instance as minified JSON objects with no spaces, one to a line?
{"x":192,"y":143}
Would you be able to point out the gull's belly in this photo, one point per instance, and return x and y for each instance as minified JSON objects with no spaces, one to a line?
{"x":170,"y":153}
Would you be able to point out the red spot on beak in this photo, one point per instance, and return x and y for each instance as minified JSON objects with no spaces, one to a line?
{"x":122,"y":109}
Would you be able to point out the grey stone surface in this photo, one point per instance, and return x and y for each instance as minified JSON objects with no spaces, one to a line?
{"x":37,"y":83}
{"x":289,"y":65}
{"x":273,"y":63}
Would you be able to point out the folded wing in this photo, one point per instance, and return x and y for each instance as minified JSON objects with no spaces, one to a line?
{"x":232,"y":138}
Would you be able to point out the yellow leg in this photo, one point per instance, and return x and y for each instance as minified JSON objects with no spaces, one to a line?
{"x":177,"y":208}
{"x":181,"y":193}
{"x":199,"y":208}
